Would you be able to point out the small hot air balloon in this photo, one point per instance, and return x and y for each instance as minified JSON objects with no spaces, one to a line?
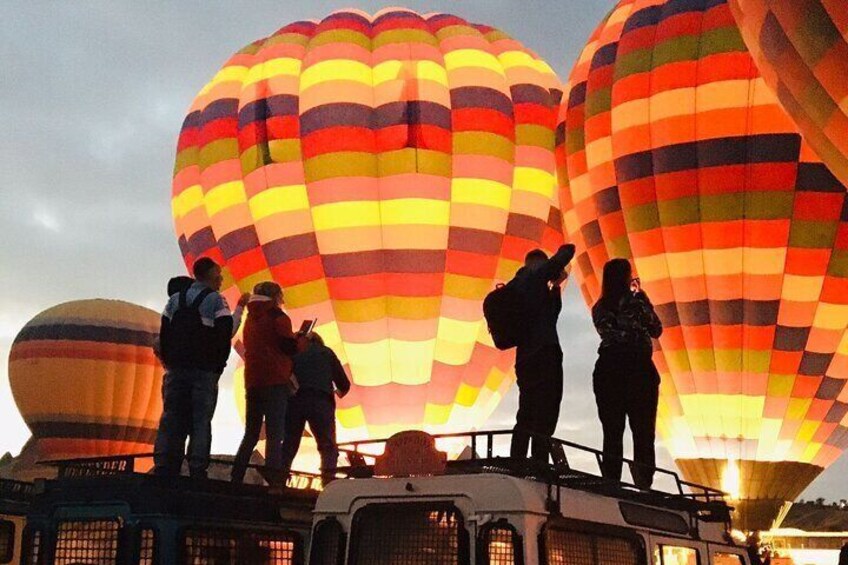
{"x":387,"y":171}
{"x":677,"y":155}
{"x":86,"y":380}
{"x":801,"y":49}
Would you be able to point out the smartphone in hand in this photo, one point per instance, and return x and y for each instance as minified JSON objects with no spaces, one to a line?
{"x":636,"y":286}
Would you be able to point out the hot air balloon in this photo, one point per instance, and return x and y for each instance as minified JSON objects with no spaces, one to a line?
{"x":801,"y":50}
{"x":386,"y":170}
{"x":86,"y":380}
{"x":675,"y":153}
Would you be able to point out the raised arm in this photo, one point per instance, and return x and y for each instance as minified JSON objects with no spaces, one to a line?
{"x":552,"y":269}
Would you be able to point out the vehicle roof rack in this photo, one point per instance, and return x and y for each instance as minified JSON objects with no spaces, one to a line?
{"x":135,"y":465}
{"x":701,"y":502}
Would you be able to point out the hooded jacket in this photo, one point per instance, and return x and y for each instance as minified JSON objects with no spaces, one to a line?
{"x":269,"y":344}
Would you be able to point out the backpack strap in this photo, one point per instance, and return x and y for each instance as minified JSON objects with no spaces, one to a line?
{"x":183,"y":299}
{"x":201,"y":297}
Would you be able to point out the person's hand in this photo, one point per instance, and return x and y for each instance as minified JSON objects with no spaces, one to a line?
{"x":244,"y":299}
{"x":561,"y":279}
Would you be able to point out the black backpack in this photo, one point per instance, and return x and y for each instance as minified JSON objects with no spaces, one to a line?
{"x":188,"y":339}
{"x":506,"y":315}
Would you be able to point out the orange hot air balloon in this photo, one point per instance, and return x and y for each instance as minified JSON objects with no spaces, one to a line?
{"x":387,"y":171}
{"x":676,"y":154}
{"x":801,"y":50}
{"x":86,"y":380}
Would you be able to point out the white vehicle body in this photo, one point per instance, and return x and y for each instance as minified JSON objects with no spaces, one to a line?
{"x":499,"y":519}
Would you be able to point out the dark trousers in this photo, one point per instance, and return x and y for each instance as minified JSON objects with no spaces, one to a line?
{"x":189,"y":398}
{"x":539,"y":396}
{"x":626,"y":388}
{"x":318,"y":409}
{"x":266,"y":404}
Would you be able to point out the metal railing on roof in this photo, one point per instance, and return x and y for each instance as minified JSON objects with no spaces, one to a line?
{"x":481,"y":455}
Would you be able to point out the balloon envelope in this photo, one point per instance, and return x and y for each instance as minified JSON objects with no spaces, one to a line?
{"x":386,"y":170}
{"x":801,"y":49}
{"x":86,"y":380}
{"x":676,"y":154}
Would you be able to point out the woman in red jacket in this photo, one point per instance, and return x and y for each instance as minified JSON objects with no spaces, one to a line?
{"x":269,"y":344}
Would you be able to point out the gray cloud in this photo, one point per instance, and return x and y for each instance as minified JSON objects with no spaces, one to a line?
{"x":92,"y":98}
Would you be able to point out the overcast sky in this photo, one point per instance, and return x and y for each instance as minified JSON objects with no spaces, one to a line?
{"x":92,"y":97}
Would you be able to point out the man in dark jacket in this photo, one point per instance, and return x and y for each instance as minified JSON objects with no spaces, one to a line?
{"x":538,"y":359}
{"x":269,"y":345}
{"x":195,"y":351}
{"x":320,"y":374}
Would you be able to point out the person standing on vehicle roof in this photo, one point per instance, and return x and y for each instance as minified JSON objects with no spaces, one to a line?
{"x":321,"y":377}
{"x":195,"y":335}
{"x":625,"y":380}
{"x":538,"y":358}
{"x":269,"y":345}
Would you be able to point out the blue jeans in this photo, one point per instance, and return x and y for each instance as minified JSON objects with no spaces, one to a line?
{"x":268,"y":404}
{"x":318,"y":409}
{"x":189,"y":397}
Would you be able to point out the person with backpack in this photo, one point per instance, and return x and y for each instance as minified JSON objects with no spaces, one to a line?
{"x":625,"y":380}
{"x":321,"y":377}
{"x":269,"y":345}
{"x":195,"y":335}
{"x":523,"y":314}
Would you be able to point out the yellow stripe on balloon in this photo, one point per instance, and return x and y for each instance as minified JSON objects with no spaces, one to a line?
{"x":437,"y":414}
{"x":231,"y":73}
{"x":336,"y":70}
{"x":279,"y":199}
{"x":414,"y":211}
{"x":411,"y":360}
{"x":346,"y":215}
{"x":186,"y":201}
{"x":474,"y":58}
{"x":283,"y":66}
{"x":351,"y":418}
{"x":481,"y":191}
{"x":223,"y":196}
{"x":535,"y":180}
{"x":467,"y":395}
{"x":512,"y":59}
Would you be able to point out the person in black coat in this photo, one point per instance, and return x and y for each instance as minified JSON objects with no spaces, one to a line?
{"x":625,"y":380}
{"x":538,"y":358}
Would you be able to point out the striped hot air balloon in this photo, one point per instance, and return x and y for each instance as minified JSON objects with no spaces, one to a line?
{"x":86,"y":380}
{"x":801,"y":50}
{"x":676,"y":154}
{"x":386,"y":170}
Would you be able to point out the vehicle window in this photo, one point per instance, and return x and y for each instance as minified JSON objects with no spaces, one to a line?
{"x":408,"y":534}
{"x":88,"y":541}
{"x":147,"y":547}
{"x":675,"y":555}
{"x":327,"y":543}
{"x":500,"y":545}
{"x":32,"y":547}
{"x":204,"y":546}
{"x":564,"y":547}
{"x":727,"y":559}
{"x":7,"y":541}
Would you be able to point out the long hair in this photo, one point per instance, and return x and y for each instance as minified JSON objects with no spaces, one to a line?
{"x":616,"y":283}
